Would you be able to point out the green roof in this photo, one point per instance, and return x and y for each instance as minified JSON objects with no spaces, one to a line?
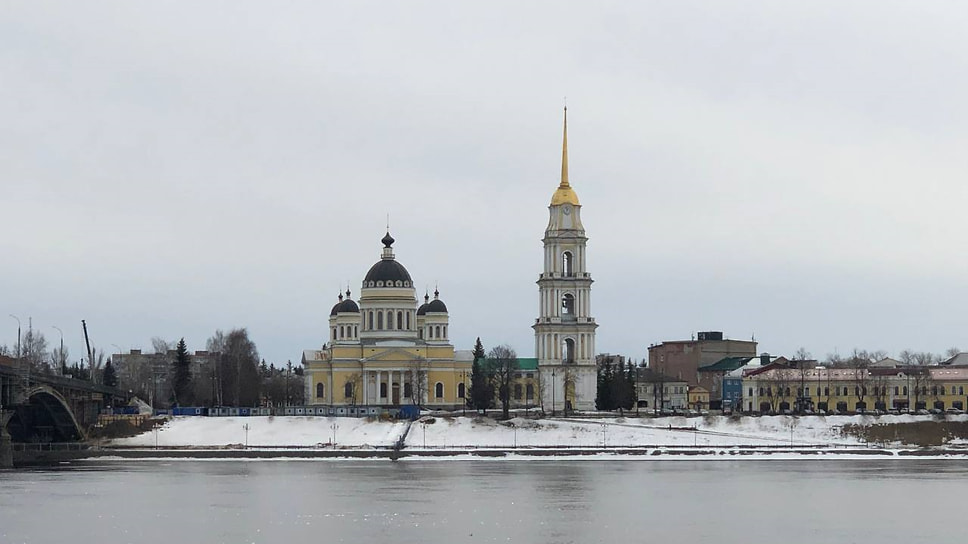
{"x":727,"y":364}
{"x":526,"y":364}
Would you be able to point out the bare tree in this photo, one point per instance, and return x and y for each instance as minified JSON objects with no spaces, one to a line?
{"x":34,"y":350}
{"x":160,"y":345}
{"x":503,"y":363}
{"x":859,"y":363}
{"x":778,"y":386}
{"x":802,"y":362}
{"x":951,"y":353}
{"x":216,"y":345}
{"x":417,"y":374}
{"x":351,"y":387}
{"x":879,"y":385}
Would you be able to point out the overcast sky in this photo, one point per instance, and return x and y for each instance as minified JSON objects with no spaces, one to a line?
{"x":793,"y":171}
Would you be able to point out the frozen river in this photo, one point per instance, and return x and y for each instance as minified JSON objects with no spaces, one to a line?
{"x":527,"y":501}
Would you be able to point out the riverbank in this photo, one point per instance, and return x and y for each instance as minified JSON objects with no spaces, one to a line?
{"x":709,"y":437}
{"x":470,"y":432}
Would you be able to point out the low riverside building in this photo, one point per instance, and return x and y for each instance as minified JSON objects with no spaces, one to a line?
{"x":386,"y":352}
{"x":781,"y":387}
{"x":698,"y":397}
{"x":656,"y":391}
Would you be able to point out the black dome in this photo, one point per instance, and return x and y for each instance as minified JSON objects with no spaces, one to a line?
{"x":387,"y":270}
{"x":437,"y":305}
{"x":348,"y":306}
{"x":335,"y":309}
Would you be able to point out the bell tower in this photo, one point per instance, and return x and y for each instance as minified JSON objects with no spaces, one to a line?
{"x":564,"y":332}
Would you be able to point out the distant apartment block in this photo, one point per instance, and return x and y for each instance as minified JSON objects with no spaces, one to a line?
{"x":681,"y":359}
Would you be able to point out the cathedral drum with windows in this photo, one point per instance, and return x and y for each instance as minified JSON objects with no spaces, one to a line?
{"x":564,"y":332}
{"x":385,"y":352}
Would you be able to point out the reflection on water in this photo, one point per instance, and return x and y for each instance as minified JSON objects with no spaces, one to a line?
{"x":529,"y":501}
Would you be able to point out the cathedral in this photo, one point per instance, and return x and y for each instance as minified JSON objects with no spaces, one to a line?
{"x":564,"y":332}
{"x":386,"y":352}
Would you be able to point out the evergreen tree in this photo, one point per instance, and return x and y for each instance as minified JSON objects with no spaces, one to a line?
{"x":482,"y":395}
{"x":604,"y":400}
{"x":109,"y":376}
{"x":181,"y":381}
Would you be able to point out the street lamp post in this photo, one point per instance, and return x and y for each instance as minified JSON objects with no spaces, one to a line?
{"x":335,"y":427}
{"x":553,"y":391}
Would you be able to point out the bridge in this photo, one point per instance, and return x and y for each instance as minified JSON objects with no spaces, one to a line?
{"x":48,"y":408}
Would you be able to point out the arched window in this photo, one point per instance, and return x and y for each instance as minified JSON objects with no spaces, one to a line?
{"x":342,"y":331}
{"x":439,"y":390}
{"x":826,"y":391}
{"x":437,"y":332}
{"x":407,"y":390}
{"x":348,"y":390}
{"x":408,"y":321}
{"x":569,"y":350}
{"x":567,"y":268}
{"x":905,"y":390}
{"x":369,"y":324}
{"x":334,"y":333}
{"x":356,"y":331}
{"x":379,"y":321}
{"x":460,"y":390}
{"x":568,"y":305}
{"x":320,"y":391}
{"x":530,"y":391}
{"x":399,"y":320}
{"x":897,"y":390}
{"x":383,"y":390}
{"x":445,"y":331}
{"x":517,"y":391}
{"x":390,"y":321}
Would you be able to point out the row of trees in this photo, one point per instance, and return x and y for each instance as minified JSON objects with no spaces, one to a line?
{"x":492,"y":376}
{"x":616,"y":385}
{"x":233,"y":375}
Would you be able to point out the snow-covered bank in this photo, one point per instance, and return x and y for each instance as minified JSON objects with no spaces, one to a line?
{"x":474,"y":432}
{"x":296,"y":431}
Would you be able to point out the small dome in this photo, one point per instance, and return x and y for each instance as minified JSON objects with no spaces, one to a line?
{"x":437,"y":305}
{"x":388,"y":240}
{"x":422,"y":310}
{"x":348,"y":306}
{"x":339,"y":302}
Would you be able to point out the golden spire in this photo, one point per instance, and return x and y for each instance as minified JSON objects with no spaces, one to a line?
{"x":564,"y":194}
{"x":564,"y":153}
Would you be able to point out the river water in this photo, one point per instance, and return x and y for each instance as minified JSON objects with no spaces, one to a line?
{"x":527,"y":501}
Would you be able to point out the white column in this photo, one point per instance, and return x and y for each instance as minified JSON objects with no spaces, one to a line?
{"x":379,"y":377}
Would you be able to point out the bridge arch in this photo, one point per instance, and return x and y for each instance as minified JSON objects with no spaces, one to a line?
{"x":45,"y":416}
